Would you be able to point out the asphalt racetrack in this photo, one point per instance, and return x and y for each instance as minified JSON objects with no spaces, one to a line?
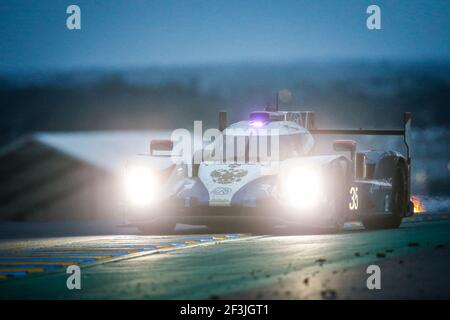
{"x":414,"y":262}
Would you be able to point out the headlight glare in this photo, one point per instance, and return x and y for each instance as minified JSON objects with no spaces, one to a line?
{"x":302,"y":187}
{"x":140,"y":186}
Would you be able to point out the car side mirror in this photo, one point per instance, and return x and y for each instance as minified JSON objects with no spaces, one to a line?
{"x":345,"y":145}
{"x":161,"y":148}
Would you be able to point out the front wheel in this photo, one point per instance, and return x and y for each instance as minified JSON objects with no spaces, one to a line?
{"x":399,"y":204}
{"x":376,"y":223}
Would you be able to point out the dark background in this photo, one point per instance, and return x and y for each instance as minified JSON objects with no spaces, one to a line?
{"x":355,"y":94}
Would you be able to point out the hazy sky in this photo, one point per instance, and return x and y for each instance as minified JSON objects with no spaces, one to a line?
{"x":123,"y":33}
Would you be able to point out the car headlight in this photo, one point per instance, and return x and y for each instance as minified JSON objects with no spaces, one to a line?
{"x":302,"y":187}
{"x":140,"y":185}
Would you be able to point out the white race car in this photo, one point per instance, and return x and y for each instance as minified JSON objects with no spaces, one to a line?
{"x":272,"y":179}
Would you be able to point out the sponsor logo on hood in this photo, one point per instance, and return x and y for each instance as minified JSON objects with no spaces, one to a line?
{"x":222,"y":191}
{"x":230,"y":175}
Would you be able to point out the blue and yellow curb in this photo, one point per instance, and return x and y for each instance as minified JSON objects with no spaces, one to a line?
{"x":31,"y":261}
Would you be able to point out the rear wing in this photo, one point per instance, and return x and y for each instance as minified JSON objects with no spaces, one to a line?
{"x":306,"y":119}
{"x":405,"y":132}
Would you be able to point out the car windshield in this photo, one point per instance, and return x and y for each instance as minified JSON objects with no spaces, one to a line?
{"x":251,"y":148}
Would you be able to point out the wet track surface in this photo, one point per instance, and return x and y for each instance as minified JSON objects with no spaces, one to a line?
{"x":19,"y":261}
{"x":214,"y":266}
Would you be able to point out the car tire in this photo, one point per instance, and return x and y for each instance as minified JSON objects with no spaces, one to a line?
{"x":399,"y":204}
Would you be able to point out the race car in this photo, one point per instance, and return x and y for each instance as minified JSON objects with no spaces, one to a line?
{"x":235,"y":187}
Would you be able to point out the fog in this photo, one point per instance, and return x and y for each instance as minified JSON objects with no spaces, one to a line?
{"x":368,"y":94}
